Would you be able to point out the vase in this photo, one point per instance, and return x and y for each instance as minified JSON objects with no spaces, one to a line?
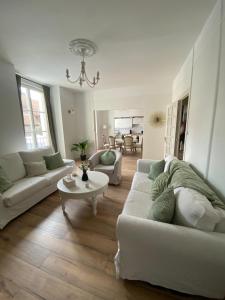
{"x":85,"y":175}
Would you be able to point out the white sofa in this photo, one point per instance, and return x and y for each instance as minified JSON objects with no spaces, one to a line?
{"x":27,"y":191}
{"x":176,"y":257}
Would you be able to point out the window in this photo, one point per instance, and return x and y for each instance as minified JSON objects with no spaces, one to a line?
{"x":34,"y":115}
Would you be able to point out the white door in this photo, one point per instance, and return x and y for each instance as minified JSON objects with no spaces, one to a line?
{"x":171,"y":124}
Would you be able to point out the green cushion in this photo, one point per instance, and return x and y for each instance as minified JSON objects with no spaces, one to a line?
{"x":163,"y":207}
{"x":156,"y":169}
{"x":5,"y":182}
{"x":53,"y":161}
{"x":108,"y":158}
{"x":159,"y":185}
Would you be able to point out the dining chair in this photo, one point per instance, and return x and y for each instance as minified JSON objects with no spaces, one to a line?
{"x":128,"y":143}
{"x":112,"y":142}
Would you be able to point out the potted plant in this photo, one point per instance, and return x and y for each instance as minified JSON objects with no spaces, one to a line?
{"x":82,"y":146}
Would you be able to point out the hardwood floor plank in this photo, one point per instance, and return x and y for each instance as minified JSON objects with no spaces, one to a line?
{"x":64,"y":248}
{"x":8,"y":289}
{"x":23,"y":249}
{"x":95,"y":282}
{"x":93,"y":240}
{"x":39,"y":282}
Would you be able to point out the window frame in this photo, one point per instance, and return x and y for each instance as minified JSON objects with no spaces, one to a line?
{"x":29,"y":85}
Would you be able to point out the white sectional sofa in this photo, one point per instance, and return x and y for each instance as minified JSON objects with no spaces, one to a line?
{"x":176,"y":257}
{"x":27,"y":191}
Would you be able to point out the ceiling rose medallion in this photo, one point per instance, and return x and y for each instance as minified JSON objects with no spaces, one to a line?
{"x":83,"y":48}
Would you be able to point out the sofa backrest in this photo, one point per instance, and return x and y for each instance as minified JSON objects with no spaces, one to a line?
{"x":35,"y":155}
{"x":13,"y":166}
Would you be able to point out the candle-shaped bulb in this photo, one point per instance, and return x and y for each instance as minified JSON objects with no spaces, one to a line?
{"x":67,"y":73}
{"x":98,"y":75}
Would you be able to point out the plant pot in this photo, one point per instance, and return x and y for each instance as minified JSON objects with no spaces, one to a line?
{"x":84,"y":176}
{"x":83,"y":157}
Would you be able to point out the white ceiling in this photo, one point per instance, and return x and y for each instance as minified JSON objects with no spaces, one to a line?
{"x":141,"y":42}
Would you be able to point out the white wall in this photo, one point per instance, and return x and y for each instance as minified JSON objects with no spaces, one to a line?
{"x":11,"y":125}
{"x":182,"y":82}
{"x":203,"y":93}
{"x":72,"y":128}
{"x":140,"y":99}
{"x":205,"y":144}
{"x":216,"y":170}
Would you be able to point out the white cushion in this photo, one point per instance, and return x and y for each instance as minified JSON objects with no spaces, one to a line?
{"x":194,"y":210}
{"x":138,"y":204}
{"x":23,"y":189}
{"x":13,"y":166}
{"x":168,"y":160}
{"x":220,"y":226}
{"x":141,"y":183}
{"x":35,"y":168}
{"x":55,"y":175}
{"x":107,"y":169}
{"x":35,"y":155}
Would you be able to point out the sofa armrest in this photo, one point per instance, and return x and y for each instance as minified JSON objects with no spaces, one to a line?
{"x":94,"y":159}
{"x":118,"y":163}
{"x":143,"y":165}
{"x":69,"y":162}
{"x":168,"y":241}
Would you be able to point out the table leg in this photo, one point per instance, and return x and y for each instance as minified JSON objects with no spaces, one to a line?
{"x":63,"y":204}
{"x":94,"y":205}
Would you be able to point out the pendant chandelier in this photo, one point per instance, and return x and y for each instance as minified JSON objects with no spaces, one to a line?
{"x":83,"y":48}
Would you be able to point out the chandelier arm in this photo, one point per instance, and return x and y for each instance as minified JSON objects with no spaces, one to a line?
{"x":74,"y":81}
{"x":90,"y":85}
{"x":88,"y":80}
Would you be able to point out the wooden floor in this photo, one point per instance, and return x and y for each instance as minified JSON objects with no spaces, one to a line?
{"x":44,"y":255}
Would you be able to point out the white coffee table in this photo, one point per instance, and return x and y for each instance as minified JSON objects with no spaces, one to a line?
{"x":98,"y":183}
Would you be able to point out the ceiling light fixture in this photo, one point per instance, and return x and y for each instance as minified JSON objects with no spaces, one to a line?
{"x":83,"y":48}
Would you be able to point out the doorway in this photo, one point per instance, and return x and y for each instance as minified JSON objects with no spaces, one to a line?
{"x":182,"y":114}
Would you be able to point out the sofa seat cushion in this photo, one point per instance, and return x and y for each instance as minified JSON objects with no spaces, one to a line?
{"x":138,"y":204}
{"x":142,"y":183}
{"x":23,"y":189}
{"x":13,"y":166}
{"x":55,"y":175}
{"x":35,"y":155}
{"x":104,"y":169}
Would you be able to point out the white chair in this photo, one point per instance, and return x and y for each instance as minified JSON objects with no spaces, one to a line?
{"x":113,"y":171}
